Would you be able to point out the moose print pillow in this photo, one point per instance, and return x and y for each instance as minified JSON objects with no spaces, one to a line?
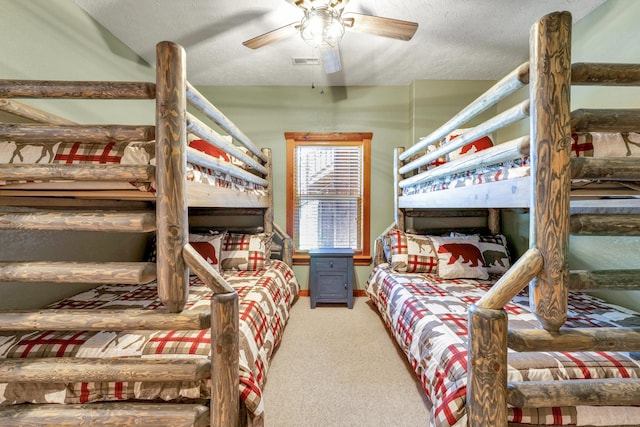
{"x":412,"y":253}
{"x":459,"y":258}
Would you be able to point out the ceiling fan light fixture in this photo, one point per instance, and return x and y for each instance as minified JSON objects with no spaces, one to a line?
{"x":321,"y":26}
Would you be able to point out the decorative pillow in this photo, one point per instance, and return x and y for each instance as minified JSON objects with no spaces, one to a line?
{"x":472,"y":147}
{"x":459,"y":257}
{"x":495,"y":253}
{"x":204,"y":147}
{"x":581,"y":145}
{"x":411,"y":253}
{"x":246,"y":252}
{"x":208,"y":246}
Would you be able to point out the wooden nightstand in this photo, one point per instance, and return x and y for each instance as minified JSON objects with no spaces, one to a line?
{"x":331,"y":276}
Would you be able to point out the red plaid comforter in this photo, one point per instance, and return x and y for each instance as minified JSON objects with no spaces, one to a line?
{"x":265,"y":296}
{"x":428,"y":318}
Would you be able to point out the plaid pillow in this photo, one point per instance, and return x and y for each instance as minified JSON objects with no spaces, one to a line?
{"x":411,"y":253}
{"x":246,"y":252}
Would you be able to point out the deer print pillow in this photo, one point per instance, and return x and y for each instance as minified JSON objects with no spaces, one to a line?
{"x":472,"y":147}
{"x":412,"y":253}
{"x":459,"y":258}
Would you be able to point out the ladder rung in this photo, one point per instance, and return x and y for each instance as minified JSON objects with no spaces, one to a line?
{"x":604,"y":279}
{"x":606,"y":168}
{"x":605,"y":225}
{"x":71,"y":369}
{"x":114,"y":414}
{"x":78,"y":272}
{"x":104,"y":319}
{"x":77,"y":172}
{"x":575,"y":339}
{"x":540,"y":394}
{"x":125,"y":222}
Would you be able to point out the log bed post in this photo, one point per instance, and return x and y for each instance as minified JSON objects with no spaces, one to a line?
{"x":268,"y":213}
{"x":550,"y":87}
{"x":487,"y":367}
{"x":397,"y":191}
{"x":171,"y":163}
{"x":225,"y":370}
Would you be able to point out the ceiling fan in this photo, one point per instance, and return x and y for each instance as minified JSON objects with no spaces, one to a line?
{"x":324,"y":24}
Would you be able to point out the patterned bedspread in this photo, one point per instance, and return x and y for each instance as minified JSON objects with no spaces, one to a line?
{"x":428,"y":318}
{"x":265,"y":296}
{"x":129,"y":153}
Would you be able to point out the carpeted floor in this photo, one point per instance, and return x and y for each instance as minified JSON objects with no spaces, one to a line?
{"x":340,"y":367}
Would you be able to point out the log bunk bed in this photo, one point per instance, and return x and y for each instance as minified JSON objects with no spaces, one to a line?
{"x":181,"y":340}
{"x":526,"y":346}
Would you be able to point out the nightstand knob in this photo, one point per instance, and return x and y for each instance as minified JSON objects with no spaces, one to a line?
{"x":345,"y":286}
{"x":331,"y":264}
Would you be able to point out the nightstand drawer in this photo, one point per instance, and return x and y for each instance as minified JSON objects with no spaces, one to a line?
{"x":332,"y":264}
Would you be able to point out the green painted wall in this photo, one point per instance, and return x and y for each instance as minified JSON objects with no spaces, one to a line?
{"x":39,"y":39}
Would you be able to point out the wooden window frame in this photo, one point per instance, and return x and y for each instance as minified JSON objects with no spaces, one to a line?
{"x":362,"y":139}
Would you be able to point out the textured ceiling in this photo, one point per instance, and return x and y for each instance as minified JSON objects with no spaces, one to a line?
{"x":461,"y":39}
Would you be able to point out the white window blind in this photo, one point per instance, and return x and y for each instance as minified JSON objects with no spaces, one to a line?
{"x":328,"y":197}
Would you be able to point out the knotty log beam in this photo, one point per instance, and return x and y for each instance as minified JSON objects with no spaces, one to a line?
{"x":487,"y":367}
{"x":513,"y":281}
{"x":171,"y":165}
{"x":78,"y":272}
{"x":397,"y":191}
{"x":606,"y":168}
{"x":575,"y":339}
{"x":103,"y":320}
{"x":30,"y":112}
{"x":116,"y":414}
{"x":205,"y":271}
{"x":605,"y":120}
{"x":199,"y":158}
{"x":605,"y":225}
{"x":268,"y":213}
{"x":77,"y":172}
{"x":550,"y":41}
{"x":124,"y":222}
{"x":196,"y":126}
{"x":225,"y":370}
{"x":605,"y":74}
{"x":52,"y":134}
{"x":75,"y":369}
{"x":604,"y":279}
{"x":512,"y":115}
{"x":540,"y":394}
{"x":76,"y":89}
{"x":196,"y":99}
{"x":505,"y":87}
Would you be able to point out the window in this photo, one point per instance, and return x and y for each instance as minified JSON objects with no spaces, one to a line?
{"x":328,"y":176}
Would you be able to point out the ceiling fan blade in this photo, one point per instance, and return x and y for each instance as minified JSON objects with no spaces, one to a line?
{"x":272,"y":36}
{"x":379,"y":26}
{"x":302,"y":4}
{"x":338,"y":5}
{"x":331,"y":59}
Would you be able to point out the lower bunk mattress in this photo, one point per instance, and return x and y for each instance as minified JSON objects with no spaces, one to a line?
{"x":427,"y":315}
{"x":265,"y":297}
